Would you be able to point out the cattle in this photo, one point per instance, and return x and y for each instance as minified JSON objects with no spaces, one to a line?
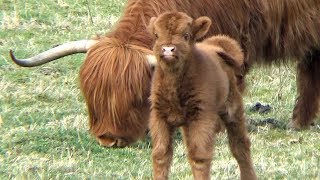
{"x":195,"y":87}
{"x":115,"y":76}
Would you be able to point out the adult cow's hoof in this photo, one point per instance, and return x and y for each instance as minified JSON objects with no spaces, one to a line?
{"x":295,"y":125}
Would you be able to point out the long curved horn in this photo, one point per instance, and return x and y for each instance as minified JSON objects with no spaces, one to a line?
{"x":60,"y":51}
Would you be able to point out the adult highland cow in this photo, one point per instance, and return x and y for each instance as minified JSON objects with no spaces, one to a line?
{"x":115,"y":76}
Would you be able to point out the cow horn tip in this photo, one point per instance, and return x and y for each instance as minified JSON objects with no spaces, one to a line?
{"x":11,"y":55}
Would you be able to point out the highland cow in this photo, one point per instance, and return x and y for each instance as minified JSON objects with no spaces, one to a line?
{"x":115,"y":77}
{"x":194,"y":87}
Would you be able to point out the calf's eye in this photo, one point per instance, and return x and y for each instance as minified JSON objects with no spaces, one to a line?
{"x":186,"y":36}
{"x":156,"y":35}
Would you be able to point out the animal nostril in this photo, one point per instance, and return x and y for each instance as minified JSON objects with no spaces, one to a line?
{"x":173,"y":49}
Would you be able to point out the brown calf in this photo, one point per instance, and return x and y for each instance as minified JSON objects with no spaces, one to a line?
{"x":195,"y":87}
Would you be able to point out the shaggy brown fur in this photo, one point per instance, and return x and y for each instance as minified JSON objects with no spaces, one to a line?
{"x":115,"y":77}
{"x":194,"y":87}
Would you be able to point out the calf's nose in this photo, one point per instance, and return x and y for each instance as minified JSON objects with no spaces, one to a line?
{"x":168,"y":50}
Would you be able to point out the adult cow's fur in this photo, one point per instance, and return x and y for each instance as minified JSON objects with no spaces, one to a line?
{"x":115,"y":76}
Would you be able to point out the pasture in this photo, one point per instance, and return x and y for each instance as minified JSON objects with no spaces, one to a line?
{"x":43,"y":118}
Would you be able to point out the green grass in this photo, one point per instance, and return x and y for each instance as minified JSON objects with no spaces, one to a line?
{"x":43,"y":118}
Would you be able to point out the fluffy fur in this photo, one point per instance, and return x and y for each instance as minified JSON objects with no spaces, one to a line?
{"x":194,"y":87}
{"x":115,"y":77}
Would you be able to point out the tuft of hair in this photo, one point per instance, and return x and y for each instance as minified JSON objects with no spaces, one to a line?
{"x":235,"y":56}
{"x":113,"y":76}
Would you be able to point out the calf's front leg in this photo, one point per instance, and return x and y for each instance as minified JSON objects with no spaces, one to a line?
{"x":162,"y":150}
{"x":199,"y":137}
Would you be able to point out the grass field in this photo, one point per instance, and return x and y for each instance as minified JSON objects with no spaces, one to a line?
{"x":43,"y":118}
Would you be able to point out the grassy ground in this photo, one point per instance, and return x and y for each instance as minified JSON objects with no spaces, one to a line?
{"x":43,"y":118}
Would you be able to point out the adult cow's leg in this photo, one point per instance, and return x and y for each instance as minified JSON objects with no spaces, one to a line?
{"x":308,"y":86}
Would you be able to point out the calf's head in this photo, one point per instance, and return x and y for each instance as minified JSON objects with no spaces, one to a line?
{"x":174,"y":34}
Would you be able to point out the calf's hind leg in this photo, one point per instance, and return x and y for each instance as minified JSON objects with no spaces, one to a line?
{"x":239,"y":141}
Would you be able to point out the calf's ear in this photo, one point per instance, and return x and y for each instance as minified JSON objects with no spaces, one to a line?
{"x":150,"y":27}
{"x":200,"y":27}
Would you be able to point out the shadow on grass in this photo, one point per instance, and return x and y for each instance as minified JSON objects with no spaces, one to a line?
{"x":272,"y":123}
{"x":145,"y":143}
{"x":253,"y":124}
